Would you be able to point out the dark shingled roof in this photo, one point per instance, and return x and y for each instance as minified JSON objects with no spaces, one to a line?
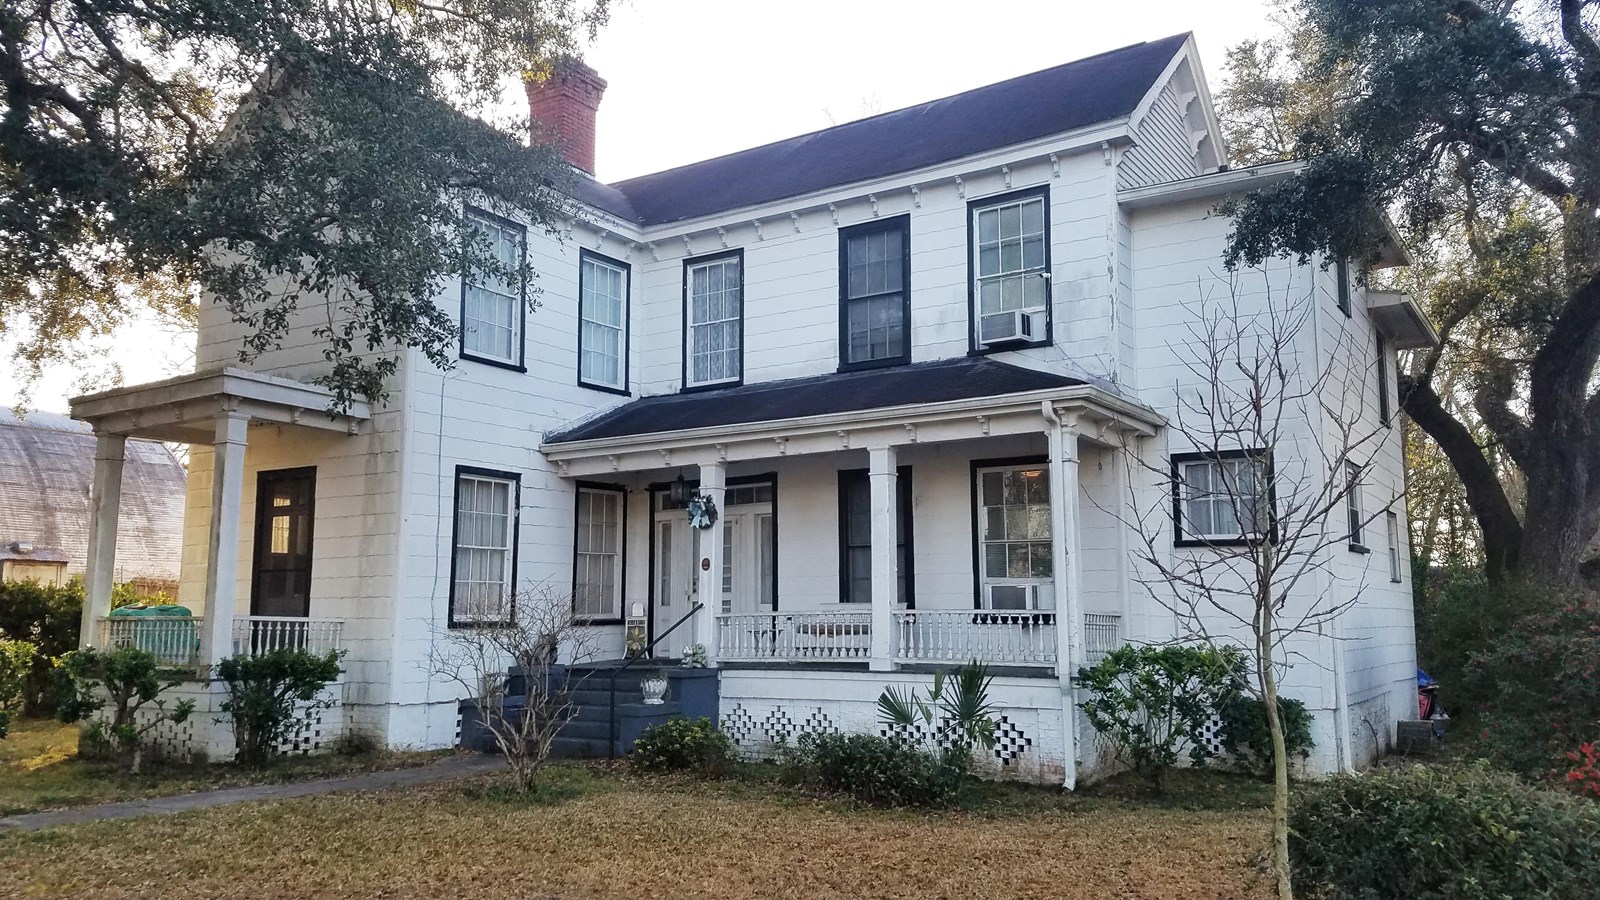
{"x":46,"y":466}
{"x":1070,"y":96}
{"x":819,"y":395}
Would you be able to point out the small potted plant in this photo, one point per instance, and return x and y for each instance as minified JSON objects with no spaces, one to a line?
{"x":654,"y":687}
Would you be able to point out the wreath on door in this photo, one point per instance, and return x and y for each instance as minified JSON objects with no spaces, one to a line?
{"x":702,"y":511}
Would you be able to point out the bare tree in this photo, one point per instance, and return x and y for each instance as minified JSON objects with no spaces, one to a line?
{"x":1277,"y":438}
{"x":524,"y":713}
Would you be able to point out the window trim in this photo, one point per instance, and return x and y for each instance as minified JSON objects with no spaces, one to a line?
{"x":1342,"y":286}
{"x":516,"y":522}
{"x":584,"y":255}
{"x":1355,"y":509}
{"x":974,"y":468}
{"x":1385,"y":412}
{"x":520,"y":364}
{"x":1179,"y":460}
{"x":903,"y":224}
{"x":973,"y":206}
{"x":621,"y":491}
{"x":1396,"y":570}
{"x":684,"y":342}
{"x":904,"y":495}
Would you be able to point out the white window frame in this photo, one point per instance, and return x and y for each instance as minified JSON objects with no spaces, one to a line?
{"x":587,"y":557}
{"x":1354,"y":509}
{"x":1024,"y":274}
{"x":503,"y":234}
{"x":1186,"y":495}
{"x":981,"y":508}
{"x":464,"y":573}
{"x":1396,"y":574}
{"x":735,"y":261}
{"x":594,"y":272}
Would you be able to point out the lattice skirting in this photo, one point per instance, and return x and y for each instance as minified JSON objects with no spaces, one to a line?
{"x":1027,"y":741}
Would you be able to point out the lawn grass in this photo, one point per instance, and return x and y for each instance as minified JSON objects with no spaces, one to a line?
{"x":594,"y":833}
{"x":39,"y":769}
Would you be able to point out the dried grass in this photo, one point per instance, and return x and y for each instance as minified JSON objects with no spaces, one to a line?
{"x":624,"y":838}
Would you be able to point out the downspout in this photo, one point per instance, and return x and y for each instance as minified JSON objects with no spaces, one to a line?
{"x":1067,"y":613}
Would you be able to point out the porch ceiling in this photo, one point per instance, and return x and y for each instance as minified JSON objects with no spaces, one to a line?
{"x":184,"y":409}
{"x":1099,"y":416}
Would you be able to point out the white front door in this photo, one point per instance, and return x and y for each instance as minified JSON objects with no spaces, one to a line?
{"x":676,"y":581}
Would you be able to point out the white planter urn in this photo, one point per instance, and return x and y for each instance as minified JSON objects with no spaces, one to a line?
{"x":654,"y":688}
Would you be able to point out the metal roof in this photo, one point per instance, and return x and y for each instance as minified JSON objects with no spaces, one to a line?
{"x":46,"y":468}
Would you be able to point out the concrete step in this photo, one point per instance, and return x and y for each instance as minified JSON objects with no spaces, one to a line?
{"x":589,"y":729}
{"x":564,"y":747}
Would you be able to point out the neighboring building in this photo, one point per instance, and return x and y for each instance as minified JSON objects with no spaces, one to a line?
{"x":46,"y":467}
{"x":901,"y":355}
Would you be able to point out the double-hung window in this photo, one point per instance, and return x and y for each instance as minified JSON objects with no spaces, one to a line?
{"x":1395,"y":571}
{"x":1015,"y":566}
{"x":714,"y":312}
{"x":492,"y":301}
{"x":1342,"y":286}
{"x":855,"y":537}
{"x":874,"y":294}
{"x":1352,"y":502}
{"x":1384,"y":413}
{"x":597,"y":566}
{"x":1221,"y":498}
{"x":483,"y":561}
{"x":602,"y":322}
{"x":1010,"y":269}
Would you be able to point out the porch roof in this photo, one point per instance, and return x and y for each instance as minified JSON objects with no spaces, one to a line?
{"x":955,"y":399}
{"x":818,"y":395}
{"x":184,"y":409}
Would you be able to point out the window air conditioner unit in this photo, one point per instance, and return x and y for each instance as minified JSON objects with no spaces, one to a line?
{"x":1020,"y":596}
{"x":1018,"y":325}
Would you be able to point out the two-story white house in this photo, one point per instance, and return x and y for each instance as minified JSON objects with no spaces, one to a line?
{"x":903,"y":357}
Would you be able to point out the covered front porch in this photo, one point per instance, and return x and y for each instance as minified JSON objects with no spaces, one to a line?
{"x":266,"y":606}
{"x":902,"y":536}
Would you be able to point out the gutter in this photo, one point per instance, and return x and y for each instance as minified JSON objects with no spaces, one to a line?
{"x":1064,"y":661}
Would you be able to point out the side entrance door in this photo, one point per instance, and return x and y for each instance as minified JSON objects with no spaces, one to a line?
{"x":280,"y":583}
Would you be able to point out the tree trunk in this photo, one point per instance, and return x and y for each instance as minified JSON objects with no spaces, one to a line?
{"x":1280,"y":754}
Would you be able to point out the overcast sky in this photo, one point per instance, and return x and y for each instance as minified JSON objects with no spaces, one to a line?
{"x":693,"y":79}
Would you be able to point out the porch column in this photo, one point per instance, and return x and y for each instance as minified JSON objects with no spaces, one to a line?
{"x":105,"y":504}
{"x":708,"y":568}
{"x":222,"y":563}
{"x":1063,"y":441}
{"x":885,"y":560}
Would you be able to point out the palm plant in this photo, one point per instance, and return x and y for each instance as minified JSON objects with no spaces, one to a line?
{"x":957,"y":708}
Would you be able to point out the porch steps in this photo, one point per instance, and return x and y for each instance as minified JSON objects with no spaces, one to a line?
{"x":586,"y":735}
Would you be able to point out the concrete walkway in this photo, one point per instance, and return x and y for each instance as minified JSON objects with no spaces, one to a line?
{"x":457,"y":766}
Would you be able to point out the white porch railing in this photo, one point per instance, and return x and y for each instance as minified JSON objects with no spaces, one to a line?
{"x":959,"y":635}
{"x":798,"y":635}
{"x":1102,"y":633}
{"x":175,"y":640}
{"x":255,"y":635}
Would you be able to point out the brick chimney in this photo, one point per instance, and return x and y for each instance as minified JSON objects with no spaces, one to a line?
{"x":565,"y":105}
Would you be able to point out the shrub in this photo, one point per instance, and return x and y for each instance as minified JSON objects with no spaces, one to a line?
{"x":1428,"y":833}
{"x":957,"y":712}
{"x":1246,"y":738}
{"x":1540,"y":687}
{"x":48,"y":618}
{"x":1459,"y":614}
{"x":1584,"y":775}
{"x":273,"y":695}
{"x":16,"y":661}
{"x":683,"y":745}
{"x":1151,"y":702}
{"x":877,"y":770}
{"x":131,"y":680}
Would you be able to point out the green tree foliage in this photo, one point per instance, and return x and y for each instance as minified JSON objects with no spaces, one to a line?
{"x":47,"y":618}
{"x":1150,"y":702}
{"x":1536,"y":687}
{"x":265,"y":151}
{"x":273,"y":695}
{"x":16,"y":663}
{"x":1478,"y":125}
{"x":128,"y":680}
